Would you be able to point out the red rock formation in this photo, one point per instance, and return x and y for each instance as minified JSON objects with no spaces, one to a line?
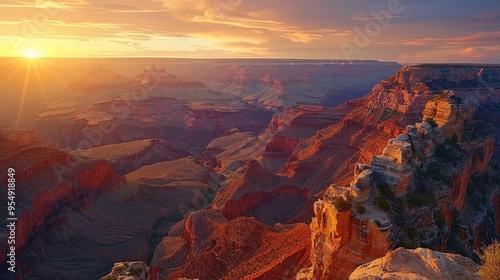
{"x":342,"y":240}
{"x":36,"y":193}
{"x":403,"y":158}
{"x":410,"y":89}
{"x":207,"y":246}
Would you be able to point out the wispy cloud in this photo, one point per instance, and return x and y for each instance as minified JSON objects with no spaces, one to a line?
{"x":425,"y":30}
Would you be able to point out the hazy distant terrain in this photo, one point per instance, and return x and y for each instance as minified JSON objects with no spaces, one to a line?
{"x":270,"y":84}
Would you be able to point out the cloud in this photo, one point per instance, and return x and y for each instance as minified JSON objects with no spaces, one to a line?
{"x":471,"y":52}
{"x":424,"y":30}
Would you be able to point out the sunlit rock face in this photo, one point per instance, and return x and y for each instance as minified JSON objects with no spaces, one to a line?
{"x":275,"y":176}
{"x":342,"y":239}
{"x":417,"y":264}
{"x":409,"y":90}
{"x":449,"y":115}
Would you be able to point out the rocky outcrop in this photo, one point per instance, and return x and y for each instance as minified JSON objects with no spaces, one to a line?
{"x":450,"y":116}
{"x":128,"y":271}
{"x":409,"y":90}
{"x":342,"y":240}
{"x":418,"y":264}
{"x":382,"y":190}
{"x":205,"y":245}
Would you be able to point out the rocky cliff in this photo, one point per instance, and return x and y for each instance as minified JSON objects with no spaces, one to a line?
{"x":448,"y":148}
{"x":342,"y":240}
{"x":409,"y":90}
{"x":384,"y":206}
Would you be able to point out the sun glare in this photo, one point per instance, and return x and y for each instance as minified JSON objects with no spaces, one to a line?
{"x":31,"y":54}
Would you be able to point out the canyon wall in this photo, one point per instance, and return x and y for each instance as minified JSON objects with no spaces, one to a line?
{"x":382,"y":208}
{"x":47,"y":179}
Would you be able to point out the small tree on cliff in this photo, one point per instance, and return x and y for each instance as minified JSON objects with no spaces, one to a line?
{"x":490,"y":262}
{"x":432,"y":122}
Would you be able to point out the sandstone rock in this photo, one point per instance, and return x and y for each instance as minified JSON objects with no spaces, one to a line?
{"x":405,"y":157}
{"x":450,"y":113}
{"x":128,"y":271}
{"x":361,"y":189}
{"x":418,"y":264}
{"x":342,"y":240}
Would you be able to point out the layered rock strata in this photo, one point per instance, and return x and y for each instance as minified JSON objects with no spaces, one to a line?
{"x":354,"y":225}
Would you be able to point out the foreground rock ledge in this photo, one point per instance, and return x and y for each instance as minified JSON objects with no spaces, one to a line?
{"x":417,"y":264}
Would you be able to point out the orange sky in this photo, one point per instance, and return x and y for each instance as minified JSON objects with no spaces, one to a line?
{"x":398,"y":30}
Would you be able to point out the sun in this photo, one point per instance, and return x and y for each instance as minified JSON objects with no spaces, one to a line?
{"x":31,"y":54}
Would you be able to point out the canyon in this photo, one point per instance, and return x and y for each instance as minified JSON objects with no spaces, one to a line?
{"x":226,"y":176}
{"x":355,"y":137}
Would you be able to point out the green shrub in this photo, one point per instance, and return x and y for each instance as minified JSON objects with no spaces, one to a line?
{"x":386,"y":191}
{"x":400,"y":206}
{"x":490,"y":262}
{"x":412,"y":233}
{"x":439,"y":221}
{"x":433,"y":171}
{"x":432,"y":122}
{"x":361,"y":209}
{"x":414,"y":198}
{"x":341,"y":204}
{"x":382,"y":203}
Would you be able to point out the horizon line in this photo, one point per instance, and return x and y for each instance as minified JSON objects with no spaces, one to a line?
{"x":253,"y":58}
